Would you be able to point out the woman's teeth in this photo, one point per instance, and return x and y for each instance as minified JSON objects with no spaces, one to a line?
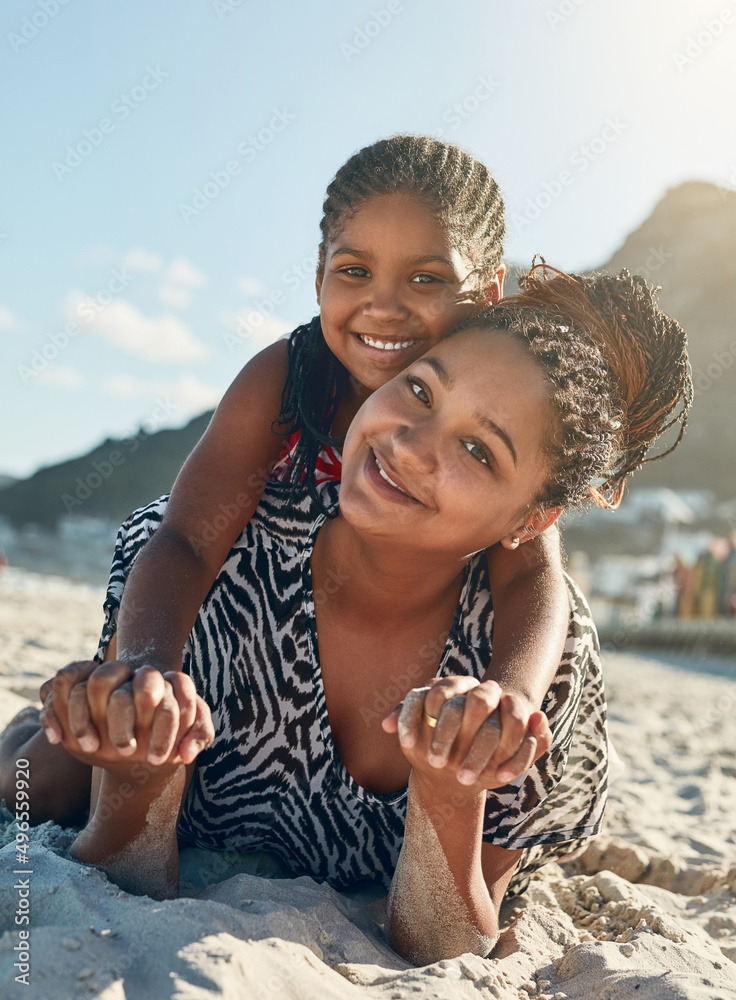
{"x":390,"y":481}
{"x":385,"y":345}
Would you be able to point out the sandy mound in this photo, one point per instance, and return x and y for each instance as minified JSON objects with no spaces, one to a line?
{"x":649,"y":911}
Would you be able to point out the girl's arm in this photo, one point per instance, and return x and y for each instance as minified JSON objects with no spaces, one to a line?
{"x":213,"y":498}
{"x":531,"y":617}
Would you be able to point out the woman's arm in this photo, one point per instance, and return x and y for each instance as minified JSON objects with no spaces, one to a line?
{"x":448,"y":885}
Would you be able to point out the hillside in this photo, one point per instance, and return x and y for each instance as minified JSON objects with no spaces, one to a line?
{"x":687,"y":245}
{"x":108,"y":482}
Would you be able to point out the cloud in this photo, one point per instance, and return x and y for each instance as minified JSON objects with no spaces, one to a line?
{"x":256,"y":330}
{"x":182,"y":272}
{"x":175,"y":296}
{"x":142,"y":260}
{"x":96,"y":256}
{"x":62,"y":377}
{"x":252,"y":287}
{"x":162,"y":339}
{"x":7,"y":320}
{"x":188,"y":392}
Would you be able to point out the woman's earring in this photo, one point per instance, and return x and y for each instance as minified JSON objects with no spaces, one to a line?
{"x":515,"y":542}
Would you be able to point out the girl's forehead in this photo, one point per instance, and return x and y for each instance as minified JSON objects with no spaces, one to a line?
{"x":402,"y":222}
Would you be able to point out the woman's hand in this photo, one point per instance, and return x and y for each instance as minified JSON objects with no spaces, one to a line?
{"x":109,"y":714}
{"x":467,"y":733}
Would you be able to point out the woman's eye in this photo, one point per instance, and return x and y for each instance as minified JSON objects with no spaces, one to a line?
{"x":418,"y":391}
{"x":425,"y":279}
{"x":477,"y":452}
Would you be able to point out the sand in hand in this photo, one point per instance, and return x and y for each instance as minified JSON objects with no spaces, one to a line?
{"x":648,"y":911}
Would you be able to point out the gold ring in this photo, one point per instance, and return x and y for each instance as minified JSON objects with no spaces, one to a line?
{"x":429,"y":719}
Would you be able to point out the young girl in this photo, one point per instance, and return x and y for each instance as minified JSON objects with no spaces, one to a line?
{"x":411,"y":245}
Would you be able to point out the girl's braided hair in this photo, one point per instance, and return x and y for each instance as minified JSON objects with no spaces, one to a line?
{"x":618,"y":371}
{"x":465,"y":199}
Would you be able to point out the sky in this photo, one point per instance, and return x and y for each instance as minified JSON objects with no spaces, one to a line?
{"x":163,"y":167}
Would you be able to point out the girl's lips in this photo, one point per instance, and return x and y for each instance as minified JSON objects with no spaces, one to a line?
{"x":383,"y":487}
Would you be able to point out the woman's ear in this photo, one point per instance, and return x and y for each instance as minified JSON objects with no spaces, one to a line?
{"x":318,"y":285}
{"x":537,"y":522}
{"x":493,"y":292}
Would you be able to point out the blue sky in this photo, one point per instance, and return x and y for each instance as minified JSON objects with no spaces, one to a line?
{"x":163,"y":167}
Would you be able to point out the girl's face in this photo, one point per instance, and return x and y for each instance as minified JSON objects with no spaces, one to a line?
{"x":448,"y":458}
{"x":392,"y":286}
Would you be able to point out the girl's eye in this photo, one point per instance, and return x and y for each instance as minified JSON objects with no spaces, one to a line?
{"x":477,"y":452}
{"x":425,"y":279}
{"x":418,"y":390}
{"x":355,"y":271}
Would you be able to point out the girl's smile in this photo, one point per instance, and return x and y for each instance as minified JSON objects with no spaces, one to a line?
{"x":392,"y":286}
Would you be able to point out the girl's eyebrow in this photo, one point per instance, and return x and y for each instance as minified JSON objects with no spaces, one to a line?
{"x":364,"y":255}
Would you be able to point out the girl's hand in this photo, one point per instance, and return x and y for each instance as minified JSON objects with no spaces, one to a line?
{"x":482,"y":738}
{"x":110,"y":714}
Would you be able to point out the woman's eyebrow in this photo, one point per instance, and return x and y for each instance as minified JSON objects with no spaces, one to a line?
{"x":447,"y":382}
{"x":499,"y":432}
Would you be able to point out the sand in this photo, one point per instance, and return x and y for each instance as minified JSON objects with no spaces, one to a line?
{"x":649,"y":911}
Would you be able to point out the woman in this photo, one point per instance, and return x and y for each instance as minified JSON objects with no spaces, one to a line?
{"x":311,"y":620}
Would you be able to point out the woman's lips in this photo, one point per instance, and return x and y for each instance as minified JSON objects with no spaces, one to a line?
{"x":384,"y":484}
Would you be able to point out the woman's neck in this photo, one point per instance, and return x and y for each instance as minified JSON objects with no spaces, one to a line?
{"x":382,"y":582}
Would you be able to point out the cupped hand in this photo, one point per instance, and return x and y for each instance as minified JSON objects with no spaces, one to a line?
{"x":482,"y":738}
{"x":106,"y":713}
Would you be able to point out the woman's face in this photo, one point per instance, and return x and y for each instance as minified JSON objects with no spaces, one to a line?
{"x":449,"y":455}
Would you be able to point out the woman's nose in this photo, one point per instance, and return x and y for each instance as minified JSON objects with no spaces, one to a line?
{"x":415,"y":447}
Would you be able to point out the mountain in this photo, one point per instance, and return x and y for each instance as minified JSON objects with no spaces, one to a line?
{"x":687,"y":245}
{"x":109,"y":482}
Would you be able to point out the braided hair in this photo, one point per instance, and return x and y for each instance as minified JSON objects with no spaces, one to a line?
{"x":465,"y":199}
{"x":617,"y":368}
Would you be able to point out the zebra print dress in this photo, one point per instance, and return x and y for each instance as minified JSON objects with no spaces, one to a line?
{"x":273,"y":780}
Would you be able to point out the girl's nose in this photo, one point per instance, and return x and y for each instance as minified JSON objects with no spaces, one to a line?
{"x":385,"y":302}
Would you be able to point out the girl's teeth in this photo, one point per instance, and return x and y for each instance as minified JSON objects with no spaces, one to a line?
{"x":384,"y":345}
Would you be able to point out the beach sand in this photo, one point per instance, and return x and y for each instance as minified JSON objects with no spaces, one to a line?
{"x":649,"y":911}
